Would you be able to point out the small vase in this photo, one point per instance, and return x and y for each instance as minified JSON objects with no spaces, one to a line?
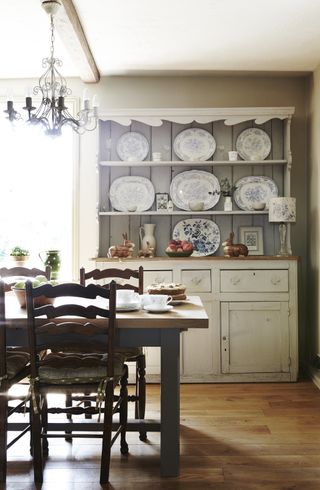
{"x":227,"y":205}
{"x":147,"y":237}
{"x":53,"y":260}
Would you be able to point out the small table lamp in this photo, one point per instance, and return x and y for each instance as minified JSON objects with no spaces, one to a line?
{"x":282,"y":210}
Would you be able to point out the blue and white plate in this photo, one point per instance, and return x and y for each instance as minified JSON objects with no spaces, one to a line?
{"x":132,"y":146}
{"x":204,"y":235}
{"x":194,"y":144}
{"x":195,"y":185}
{"x":253,"y":144}
{"x":254,"y":190}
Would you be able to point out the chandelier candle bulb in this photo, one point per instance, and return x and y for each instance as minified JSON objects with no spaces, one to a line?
{"x":85,"y":100}
{"x":95,"y":101}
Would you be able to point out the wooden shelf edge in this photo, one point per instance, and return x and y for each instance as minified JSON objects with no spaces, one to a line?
{"x":196,"y":163}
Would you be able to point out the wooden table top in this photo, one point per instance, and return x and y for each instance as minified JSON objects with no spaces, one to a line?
{"x":190,"y":314}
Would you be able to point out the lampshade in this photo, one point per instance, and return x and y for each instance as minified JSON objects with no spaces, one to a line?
{"x":282,"y":209}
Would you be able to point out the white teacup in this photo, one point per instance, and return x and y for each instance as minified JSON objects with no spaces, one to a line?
{"x":158,"y":300}
{"x":233,"y":155}
{"x":156,"y":156}
{"x":127,"y":297}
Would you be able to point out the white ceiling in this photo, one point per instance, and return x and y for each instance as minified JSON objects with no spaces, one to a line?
{"x":169,"y":36}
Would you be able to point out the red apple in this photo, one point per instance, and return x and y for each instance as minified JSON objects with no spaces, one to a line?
{"x":187,"y":247}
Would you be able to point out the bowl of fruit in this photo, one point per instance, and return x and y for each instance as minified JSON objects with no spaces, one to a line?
{"x":179,"y":248}
{"x":19,"y":290}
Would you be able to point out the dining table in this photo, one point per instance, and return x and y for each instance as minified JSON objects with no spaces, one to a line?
{"x":141,"y":328}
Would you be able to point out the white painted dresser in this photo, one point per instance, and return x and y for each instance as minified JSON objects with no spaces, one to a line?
{"x":252,"y":305}
{"x":252,"y":302}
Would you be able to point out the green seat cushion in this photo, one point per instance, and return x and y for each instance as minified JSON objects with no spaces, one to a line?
{"x":74,"y":368}
{"x":16,"y":362}
{"x":129,"y":352}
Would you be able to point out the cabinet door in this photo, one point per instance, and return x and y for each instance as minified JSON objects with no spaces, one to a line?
{"x":198,"y":348}
{"x":254,"y":337}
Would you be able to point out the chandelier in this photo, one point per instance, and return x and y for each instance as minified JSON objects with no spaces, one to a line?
{"x":52,"y":114}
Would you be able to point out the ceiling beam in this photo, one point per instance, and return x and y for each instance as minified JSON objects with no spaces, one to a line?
{"x":70,"y":30}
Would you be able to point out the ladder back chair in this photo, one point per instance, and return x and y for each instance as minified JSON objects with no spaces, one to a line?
{"x":14,"y":366}
{"x":79,"y":340}
{"x":13,"y":274}
{"x":132,"y":354}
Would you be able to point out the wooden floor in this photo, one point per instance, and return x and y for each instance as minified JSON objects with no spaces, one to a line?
{"x":233,"y":436}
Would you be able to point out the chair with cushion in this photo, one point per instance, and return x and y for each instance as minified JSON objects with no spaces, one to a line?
{"x":132,"y":354}
{"x":79,"y":341}
{"x":14,"y":366}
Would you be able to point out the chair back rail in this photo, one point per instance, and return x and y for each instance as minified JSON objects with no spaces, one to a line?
{"x":24,"y":272}
{"x":74,"y":335}
{"x":113,"y":273}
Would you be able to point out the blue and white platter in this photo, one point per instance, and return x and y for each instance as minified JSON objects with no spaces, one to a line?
{"x":195,"y":185}
{"x":254,"y":190}
{"x":194,"y":144}
{"x":132,"y":146}
{"x":204,"y":235}
{"x":253,"y":144}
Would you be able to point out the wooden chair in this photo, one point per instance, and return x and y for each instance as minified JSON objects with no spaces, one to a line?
{"x":14,"y":366}
{"x":15,"y":273}
{"x":132,"y":354}
{"x":82,"y":359}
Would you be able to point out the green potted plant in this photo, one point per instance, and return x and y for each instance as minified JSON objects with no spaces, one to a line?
{"x":20,"y":255}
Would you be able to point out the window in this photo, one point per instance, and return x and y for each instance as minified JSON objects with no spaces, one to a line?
{"x":36,"y":193}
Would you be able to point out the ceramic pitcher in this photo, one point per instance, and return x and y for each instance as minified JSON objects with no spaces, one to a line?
{"x":52,"y":258}
{"x":147,"y":236}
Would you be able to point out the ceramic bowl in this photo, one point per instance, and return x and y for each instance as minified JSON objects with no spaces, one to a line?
{"x":259,"y":206}
{"x":40,"y":301}
{"x":179,"y":254}
{"x":195,"y":205}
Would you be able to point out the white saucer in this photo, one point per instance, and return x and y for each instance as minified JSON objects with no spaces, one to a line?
{"x":157,"y":309}
{"x":128,"y":307}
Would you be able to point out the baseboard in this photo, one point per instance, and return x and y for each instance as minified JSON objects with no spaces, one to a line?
{"x":315,"y":376}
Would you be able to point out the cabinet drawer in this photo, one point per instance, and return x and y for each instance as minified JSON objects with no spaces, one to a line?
{"x":254,"y":281}
{"x":155,"y":277}
{"x":197,"y":281}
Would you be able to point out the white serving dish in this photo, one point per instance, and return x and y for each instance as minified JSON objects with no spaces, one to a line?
{"x":131,"y":192}
{"x":204,"y":234}
{"x":195,"y":185}
{"x":254,"y":190}
{"x":132,"y":146}
{"x":194,"y":144}
{"x":253,"y":144}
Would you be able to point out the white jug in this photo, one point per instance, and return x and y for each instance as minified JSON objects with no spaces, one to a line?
{"x":147,"y":237}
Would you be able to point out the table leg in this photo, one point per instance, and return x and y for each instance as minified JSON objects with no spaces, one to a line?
{"x":170,"y":402}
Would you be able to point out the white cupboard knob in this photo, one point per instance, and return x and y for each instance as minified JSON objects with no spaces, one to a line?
{"x":275,"y":280}
{"x":235,"y":280}
{"x":196,"y":280}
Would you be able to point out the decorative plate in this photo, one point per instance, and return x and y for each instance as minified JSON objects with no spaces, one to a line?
{"x":195,"y":185}
{"x":194,"y":144}
{"x":254,"y":190}
{"x":253,"y":144}
{"x":131,"y":192}
{"x":204,"y":235}
{"x":132,"y":146}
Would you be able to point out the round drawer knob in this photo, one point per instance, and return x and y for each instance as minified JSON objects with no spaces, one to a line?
{"x":235,"y":280}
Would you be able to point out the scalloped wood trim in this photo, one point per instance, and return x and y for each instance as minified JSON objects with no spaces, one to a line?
{"x":231,"y":116}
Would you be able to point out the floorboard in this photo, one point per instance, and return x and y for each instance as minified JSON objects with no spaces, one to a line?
{"x":233,"y":437}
